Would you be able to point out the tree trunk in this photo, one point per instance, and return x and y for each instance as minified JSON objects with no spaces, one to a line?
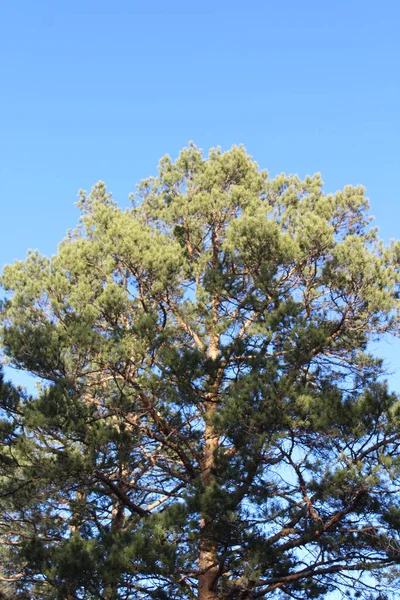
{"x":208,"y":566}
{"x":208,"y":547}
{"x":117,"y":520}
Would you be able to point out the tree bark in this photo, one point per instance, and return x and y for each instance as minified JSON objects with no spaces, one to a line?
{"x":208,"y":547}
{"x":208,"y":563}
{"x":117,"y":520}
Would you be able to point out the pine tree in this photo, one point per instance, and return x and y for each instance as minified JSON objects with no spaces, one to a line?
{"x":209,"y":422}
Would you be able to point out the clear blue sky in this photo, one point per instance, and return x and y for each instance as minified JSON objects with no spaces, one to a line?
{"x":94,"y":89}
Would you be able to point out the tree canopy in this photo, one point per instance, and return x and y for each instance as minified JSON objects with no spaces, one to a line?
{"x":209,"y":422}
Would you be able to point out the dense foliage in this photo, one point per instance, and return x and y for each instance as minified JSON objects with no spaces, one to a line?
{"x":208,"y":421}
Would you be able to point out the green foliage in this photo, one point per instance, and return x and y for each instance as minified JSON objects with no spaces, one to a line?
{"x":208,"y":421}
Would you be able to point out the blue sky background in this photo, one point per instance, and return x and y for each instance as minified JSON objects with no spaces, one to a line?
{"x":94,"y":89}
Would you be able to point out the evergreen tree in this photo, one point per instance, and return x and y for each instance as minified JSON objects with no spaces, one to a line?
{"x":209,"y":422}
